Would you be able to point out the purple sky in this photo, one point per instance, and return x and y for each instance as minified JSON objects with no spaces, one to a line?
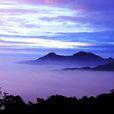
{"x":29,"y":27}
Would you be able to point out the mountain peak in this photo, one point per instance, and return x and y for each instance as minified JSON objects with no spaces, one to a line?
{"x":82,"y":53}
{"x":86,"y":55}
{"x":51,"y":54}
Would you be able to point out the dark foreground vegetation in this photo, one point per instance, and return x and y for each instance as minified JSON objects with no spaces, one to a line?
{"x":58,"y":104}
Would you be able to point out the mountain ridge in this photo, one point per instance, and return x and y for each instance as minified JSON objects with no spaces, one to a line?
{"x":77,"y":59}
{"x":75,"y":55}
{"x":104,"y":67}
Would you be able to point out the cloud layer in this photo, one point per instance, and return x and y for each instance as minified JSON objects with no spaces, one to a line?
{"x":56,"y":24}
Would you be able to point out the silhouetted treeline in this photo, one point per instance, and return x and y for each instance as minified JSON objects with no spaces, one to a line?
{"x":58,"y":104}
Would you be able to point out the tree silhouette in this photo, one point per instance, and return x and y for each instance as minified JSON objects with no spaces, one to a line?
{"x":58,"y":104}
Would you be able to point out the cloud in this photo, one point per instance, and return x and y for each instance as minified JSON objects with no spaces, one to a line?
{"x":82,"y":4}
{"x":39,"y":43}
{"x":28,"y":19}
{"x":56,"y":24}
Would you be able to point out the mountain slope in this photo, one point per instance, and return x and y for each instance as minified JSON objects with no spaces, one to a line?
{"x":78,"y":59}
{"x":76,"y":56}
{"x":105,"y":67}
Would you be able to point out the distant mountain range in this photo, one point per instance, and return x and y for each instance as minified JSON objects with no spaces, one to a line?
{"x":77,"y":59}
{"x":105,"y":67}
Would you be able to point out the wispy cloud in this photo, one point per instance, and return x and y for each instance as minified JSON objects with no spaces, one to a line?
{"x":55,"y":23}
{"x":39,"y":43}
{"x":27,"y":19}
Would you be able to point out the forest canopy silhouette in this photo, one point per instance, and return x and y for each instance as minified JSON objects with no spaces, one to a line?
{"x":58,"y":104}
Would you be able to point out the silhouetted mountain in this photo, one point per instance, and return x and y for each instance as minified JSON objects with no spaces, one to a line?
{"x":77,"y":59}
{"x":51,"y":56}
{"x":76,"y":56}
{"x":86,"y":56}
{"x":105,"y":67}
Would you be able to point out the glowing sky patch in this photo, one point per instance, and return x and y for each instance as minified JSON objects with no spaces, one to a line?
{"x":36,"y":43}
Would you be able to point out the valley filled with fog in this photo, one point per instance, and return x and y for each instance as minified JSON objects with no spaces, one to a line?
{"x":32,"y":81}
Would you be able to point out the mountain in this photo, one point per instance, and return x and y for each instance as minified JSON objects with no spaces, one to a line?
{"x":77,"y":56}
{"x":77,"y":59}
{"x":51,"y":56}
{"x":86,"y":56}
{"x":105,"y":67}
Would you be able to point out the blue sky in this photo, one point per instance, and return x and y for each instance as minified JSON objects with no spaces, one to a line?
{"x":32,"y":27}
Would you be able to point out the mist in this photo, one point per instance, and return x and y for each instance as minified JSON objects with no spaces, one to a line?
{"x":32,"y":81}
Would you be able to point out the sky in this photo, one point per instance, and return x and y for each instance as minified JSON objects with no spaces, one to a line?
{"x":35,"y":27}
